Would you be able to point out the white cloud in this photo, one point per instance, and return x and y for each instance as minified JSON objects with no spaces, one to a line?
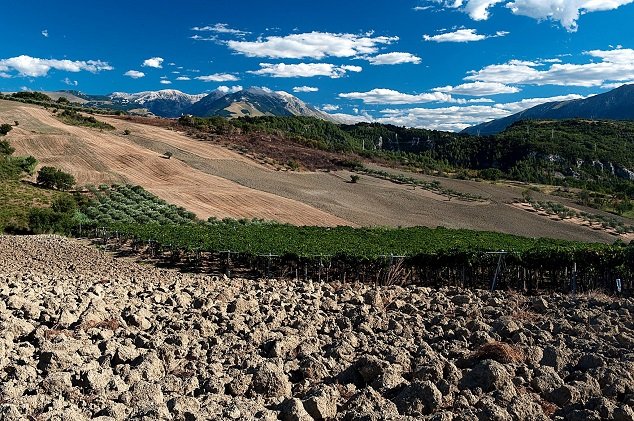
{"x":524,"y":104}
{"x":229,"y":89}
{"x":614,"y":66}
{"x":134,"y":74}
{"x":389,"y":96}
{"x":305,"y":89}
{"x":201,"y":38}
{"x":218,"y":77}
{"x":45,"y":33}
{"x":479,"y":9}
{"x":35,"y":67}
{"x":155,"y":62}
{"x":462,"y":35}
{"x":453,"y":118}
{"x":566,"y":12}
{"x":613,"y":85}
{"x":476,"y":9}
{"x":183,"y":78}
{"x":304,"y":70}
{"x":394,"y":58}
{"x":220,"y":28}
{"x":4,"y":75}
{"x":478,"y":89}
{"x":316,"y":45}
{"x":69,"y":82}
{"x":330,"y":107}
{"x":166,"y":82}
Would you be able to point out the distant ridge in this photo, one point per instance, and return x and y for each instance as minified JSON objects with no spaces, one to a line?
{"x":171,"y":103}
{"x":617,"y":104}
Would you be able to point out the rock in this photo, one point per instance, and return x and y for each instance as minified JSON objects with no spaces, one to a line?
{"x":151,"y":367}
{"x":97,"y":380}
{"x":564,"y":395}
{"x":623,"y":413}
{"x":588,"y":361}
{"x":293,"y":410}
{"x":370,"y":367}
{"x":555,"y":357}
{"x":146,"y":400}
{"x":58,"y":383}
{"x":540,"y":305}
{"x":239,"y":385}
{"x":419,"y":398}
{"x":526,"y":407}
{"x":546,"y":380}
{"x":368,"y":405}
{"x":269,"y":380}
{"x":322,"y":404}
{"x":184,"y":408}
{"x":488,"y":375}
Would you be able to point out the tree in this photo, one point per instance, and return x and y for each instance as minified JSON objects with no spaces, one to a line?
{"x":63,"y":100}
{"x":6,"y":148}
{"x":5,"y":128}
{"x":64,"y":204}
{"x":51,"y":177}
{"x":27,"y":164}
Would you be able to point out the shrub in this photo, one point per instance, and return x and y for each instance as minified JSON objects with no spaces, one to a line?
{"x":354,"y":178}
{"x":126,"y":132}
{"x":64,"y":204}
{"x":5,"y":128}
{"x":44,"y":220}
{"x":492,"y":174}
{"x":6,"y":148}
{"x":51,"y":177}
{"x":167,"y":155}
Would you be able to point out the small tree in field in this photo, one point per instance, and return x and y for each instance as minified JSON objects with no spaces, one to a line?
{"x":51,"y":177}
{"x":5,"y":128}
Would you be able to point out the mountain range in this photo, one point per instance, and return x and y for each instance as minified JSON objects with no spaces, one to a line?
{"x":617,"y":104}
{"x":172,"y":103}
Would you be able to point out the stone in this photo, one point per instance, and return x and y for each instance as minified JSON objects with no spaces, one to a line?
{"x":322,"y":404}
{"x":487,"y":375}
{"x":269,"y":380}
{"x":419,"y":398}
{"x":369,"y":405}
{"x":293,"y":410}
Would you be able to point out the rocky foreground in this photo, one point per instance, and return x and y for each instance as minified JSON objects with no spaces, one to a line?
{"x":86,"y":336}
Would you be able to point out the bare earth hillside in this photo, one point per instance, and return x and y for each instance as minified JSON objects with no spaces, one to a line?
{"x":211,"y":180}
{"x":86,"y":336}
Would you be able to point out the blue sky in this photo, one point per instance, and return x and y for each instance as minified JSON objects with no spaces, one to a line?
{"x":443,"y":64}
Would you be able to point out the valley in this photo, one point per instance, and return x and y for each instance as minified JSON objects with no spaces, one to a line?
{"x":212,"y":180}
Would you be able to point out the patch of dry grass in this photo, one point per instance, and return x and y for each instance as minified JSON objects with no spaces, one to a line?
{"x":498,"y":351}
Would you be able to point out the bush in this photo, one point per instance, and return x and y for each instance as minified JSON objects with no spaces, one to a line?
{"x":51,"y":177}
{"x":5,"y":128}
{"x":6,"y":148}
{"x":167,"y":155}
{"x":492,"y":174}
{"x":64,"y":204}
{"x":354,"y":178}
{"x":46,"y":220}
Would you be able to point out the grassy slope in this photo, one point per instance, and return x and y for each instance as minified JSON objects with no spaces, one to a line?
{"x":16,"y":198}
